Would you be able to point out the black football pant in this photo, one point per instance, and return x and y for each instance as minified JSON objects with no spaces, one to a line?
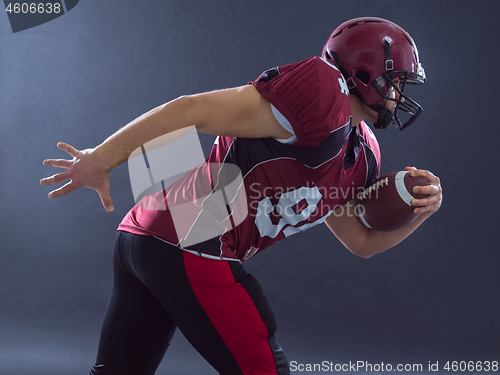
{"x":219,"y":308}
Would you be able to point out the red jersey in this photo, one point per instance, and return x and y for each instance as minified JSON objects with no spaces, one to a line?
{"x":290,"y":185}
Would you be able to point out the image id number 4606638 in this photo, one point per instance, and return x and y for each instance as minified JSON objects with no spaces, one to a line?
{"x":33,"y":8}
{"x":476,"y":366}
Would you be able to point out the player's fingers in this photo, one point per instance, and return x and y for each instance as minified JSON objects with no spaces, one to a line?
{"x":69,"y":149}
{"x":54,"y":179}
{"x":433,"y":179}
{"x":106,"y":200}
{"x":427,"y":189}
{"x":430,"y":203}
{"x":431,"y":199}
{"x":63,"y":190}
{"x":424,"y":209}
{"x":60,"y":163}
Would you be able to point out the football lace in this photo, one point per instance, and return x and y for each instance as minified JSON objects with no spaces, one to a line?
{"x":367,"y":192}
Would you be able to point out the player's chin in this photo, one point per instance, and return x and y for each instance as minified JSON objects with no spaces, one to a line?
{"x":373,"y":116}
{"x":370,"y":114}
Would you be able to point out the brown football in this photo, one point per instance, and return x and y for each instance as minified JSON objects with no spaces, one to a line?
{"x":386,"y":204}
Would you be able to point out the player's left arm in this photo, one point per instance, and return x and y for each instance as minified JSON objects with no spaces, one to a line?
{"x":366,"y":242}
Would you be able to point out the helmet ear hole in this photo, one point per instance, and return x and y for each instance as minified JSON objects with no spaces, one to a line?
{"x":363,"y":76}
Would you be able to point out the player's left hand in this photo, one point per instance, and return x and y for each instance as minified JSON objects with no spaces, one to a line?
{"x":432,"y":202}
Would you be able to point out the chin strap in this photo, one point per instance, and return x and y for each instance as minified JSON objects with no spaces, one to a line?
{"x":350,"y":82}
{"x":389,"y":64}
{"x":385,"y":116}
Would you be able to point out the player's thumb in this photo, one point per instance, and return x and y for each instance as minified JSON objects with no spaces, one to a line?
{"x":107,"y":202}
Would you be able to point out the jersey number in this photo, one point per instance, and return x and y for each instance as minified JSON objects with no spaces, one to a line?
{"x":287,"y":213}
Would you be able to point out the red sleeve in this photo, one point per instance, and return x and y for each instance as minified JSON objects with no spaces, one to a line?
{"x":311,"y":97}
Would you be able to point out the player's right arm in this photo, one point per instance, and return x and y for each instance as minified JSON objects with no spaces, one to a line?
{"x":236,"y":112}
{"x":365,"y":242}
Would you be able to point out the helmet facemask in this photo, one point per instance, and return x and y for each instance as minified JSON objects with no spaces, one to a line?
{"x":407,"y":110}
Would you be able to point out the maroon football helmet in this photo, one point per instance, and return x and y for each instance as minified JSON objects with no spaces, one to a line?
{"x":371,"y":53}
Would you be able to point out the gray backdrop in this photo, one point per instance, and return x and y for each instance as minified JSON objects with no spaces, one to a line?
{"x":84,"y":75}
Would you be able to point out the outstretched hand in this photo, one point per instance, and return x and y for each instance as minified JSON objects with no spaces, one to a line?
{"x":87,"y":169}
{"x":432,"y":202}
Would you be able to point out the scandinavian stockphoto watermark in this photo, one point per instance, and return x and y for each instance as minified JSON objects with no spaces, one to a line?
{"x":216,"y":201}
{"x":25,"y":15}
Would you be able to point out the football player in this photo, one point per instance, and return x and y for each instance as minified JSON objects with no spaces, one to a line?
{"x":298,"y":138}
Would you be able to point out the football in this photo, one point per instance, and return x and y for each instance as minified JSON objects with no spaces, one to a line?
{"x":386,"y":204}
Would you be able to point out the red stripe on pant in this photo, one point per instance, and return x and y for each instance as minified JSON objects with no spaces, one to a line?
{"x":232,"y":312}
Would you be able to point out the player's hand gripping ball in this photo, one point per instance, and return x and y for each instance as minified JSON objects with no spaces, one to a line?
{"x":386,"y":204}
